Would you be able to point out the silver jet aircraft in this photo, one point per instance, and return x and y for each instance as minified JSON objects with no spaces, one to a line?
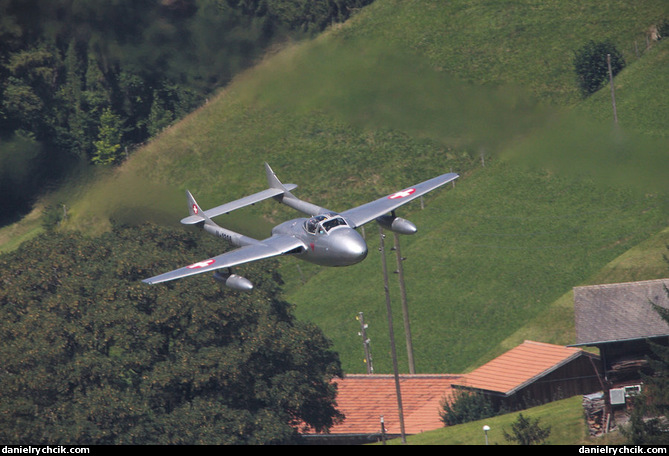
{"x":326,"y":238}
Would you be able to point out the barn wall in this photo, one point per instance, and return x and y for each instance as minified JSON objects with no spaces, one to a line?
{"x":577,"y":377}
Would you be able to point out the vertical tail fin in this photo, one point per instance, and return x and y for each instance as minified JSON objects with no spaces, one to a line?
{"x":194,"y":208}
{"x":274,"y":181}
{"x":288,"y":198}
{"x":211,"y":227}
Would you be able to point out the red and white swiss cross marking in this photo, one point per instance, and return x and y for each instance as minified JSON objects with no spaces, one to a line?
{"x":201,"y":264}
{"x":402,"y":194}
{"x":195,"y":209}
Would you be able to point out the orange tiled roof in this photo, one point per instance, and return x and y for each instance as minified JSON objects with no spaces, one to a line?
{"x":365,"y":398}
{"x":519,"y":366}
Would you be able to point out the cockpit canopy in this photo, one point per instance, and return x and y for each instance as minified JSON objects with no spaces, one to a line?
{"x":324,"y":223}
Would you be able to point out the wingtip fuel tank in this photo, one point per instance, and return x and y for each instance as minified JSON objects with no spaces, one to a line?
{"x":233,"y":281}
{"x":397,"y":224}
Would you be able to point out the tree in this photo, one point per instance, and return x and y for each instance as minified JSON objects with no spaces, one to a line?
{"x":160,"y":117}
{"x":466,"y":406}
{"x":97,"y":93}
{"x":29,"y":88}
{"x":91,"y":355}
{"x":108,"y":146}
{"x":663,"y":29}
{"x":591,"y":66}
{"x":76,"y":119}
{"x":526,"y":431}
{"x":62,"y":63}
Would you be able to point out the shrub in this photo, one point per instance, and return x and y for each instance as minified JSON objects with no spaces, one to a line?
{"x":590,"y":64}
{"x":465,"y":407}
{"x":526,"y":431}
{"x":663,"y":29}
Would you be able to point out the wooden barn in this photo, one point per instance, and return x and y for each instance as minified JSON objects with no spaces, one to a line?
{"x":535,"y":373}
{"x":620,"y":320}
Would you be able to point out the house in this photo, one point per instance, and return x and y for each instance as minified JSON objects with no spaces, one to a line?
{"x":621,"y":321}
{"x":534,"y":373}
{"x":530,"y":374}
{"x":365,"y":399}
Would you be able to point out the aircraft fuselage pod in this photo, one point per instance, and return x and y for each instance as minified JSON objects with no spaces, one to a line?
{"x":328,"y":240}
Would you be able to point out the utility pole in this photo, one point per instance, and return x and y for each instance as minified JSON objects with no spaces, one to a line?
{"x":613,"y":92}
{"x":392,"y":336}
{"x":365,"y":343}
{"x":383,"y":431}
{"x":405,"y":306}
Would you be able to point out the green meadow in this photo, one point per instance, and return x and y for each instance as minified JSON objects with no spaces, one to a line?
{"x":564,"y":418}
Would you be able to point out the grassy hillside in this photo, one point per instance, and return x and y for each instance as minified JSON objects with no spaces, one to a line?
{"x":491,"y":255}
{"x":645,"y":261}
{"x":523,"y":43}
{"x":564,"y":417}
{"x":406,"y":91}
{"x":640,"y":102}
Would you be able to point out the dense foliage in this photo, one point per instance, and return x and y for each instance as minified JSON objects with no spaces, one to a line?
{"x":527,"y":431}
{"x":592,"y":66}
{"x":88,"y":80}
{"x":91,"y":355}
{"x":467,"y":406}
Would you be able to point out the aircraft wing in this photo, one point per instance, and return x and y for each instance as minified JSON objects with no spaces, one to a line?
{"x":367,"y":212}
{"x":270,"y":247}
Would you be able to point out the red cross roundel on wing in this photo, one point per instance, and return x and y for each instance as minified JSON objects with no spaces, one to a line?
{"x":201,"y":264}
{"x":402,"y":194}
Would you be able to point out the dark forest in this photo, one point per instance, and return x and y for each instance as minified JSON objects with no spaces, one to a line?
{"x":85,"y":82}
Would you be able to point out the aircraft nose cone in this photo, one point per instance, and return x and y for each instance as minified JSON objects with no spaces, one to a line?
{"x":353,"y":249}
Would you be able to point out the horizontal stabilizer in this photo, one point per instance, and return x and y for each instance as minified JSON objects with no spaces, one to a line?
{"x":238,"y":204}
